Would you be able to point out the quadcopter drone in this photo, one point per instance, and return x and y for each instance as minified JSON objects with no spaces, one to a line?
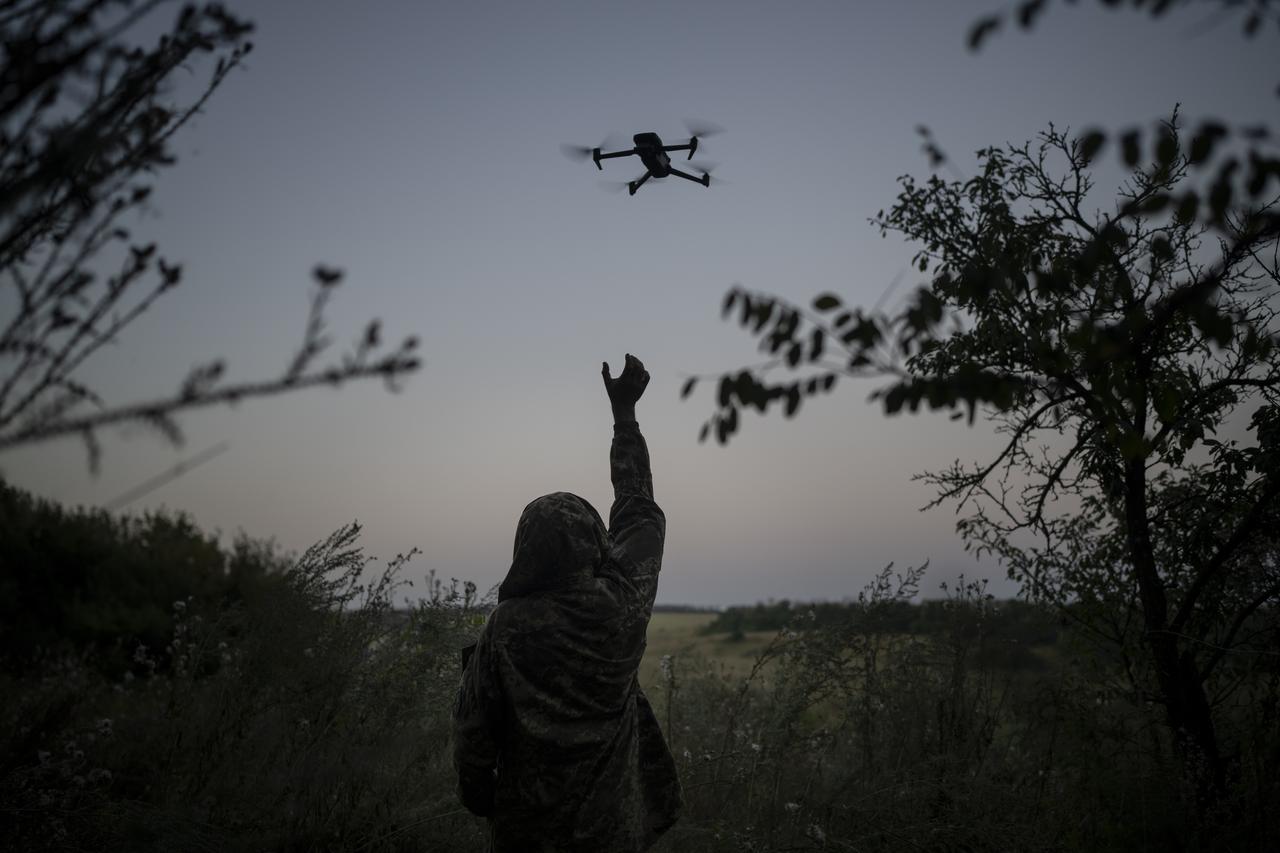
{"x":653,"y":154}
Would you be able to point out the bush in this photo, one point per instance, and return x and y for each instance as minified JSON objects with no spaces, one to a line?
{"x":306,"y":715}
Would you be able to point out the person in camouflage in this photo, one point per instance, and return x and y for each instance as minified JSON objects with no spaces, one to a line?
{"x":554,"y":741}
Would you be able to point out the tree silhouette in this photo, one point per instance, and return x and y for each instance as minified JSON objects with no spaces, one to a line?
{"x":1108,"y":348}
{"x":1112,"y":497}
{"x":85,"y":125}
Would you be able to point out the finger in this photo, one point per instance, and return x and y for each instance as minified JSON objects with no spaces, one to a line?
{"x":604,"y":370}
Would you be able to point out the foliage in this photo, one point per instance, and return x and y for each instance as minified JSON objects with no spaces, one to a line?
{"x":1014,"y":622}
{"x":863,"y":738}
{"x":85,"y":122}
{"x":307,"y":715}
{"x":78,"y":580}
{"x":1112,"y":499}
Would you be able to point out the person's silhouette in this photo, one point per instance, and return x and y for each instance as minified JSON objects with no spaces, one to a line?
{"x":554,"y":741}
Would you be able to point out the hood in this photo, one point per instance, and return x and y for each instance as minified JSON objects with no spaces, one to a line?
{"x":560,"y":540}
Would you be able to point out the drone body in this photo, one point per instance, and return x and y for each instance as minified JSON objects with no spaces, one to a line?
{"x":654,"y":155}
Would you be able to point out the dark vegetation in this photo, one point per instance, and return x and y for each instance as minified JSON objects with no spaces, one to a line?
{"x":1012,"y":623}
{"x":87,"y":117}
{"x":1126,"y":344}
{"x":161,"y":692}
{"x":245,"y":699}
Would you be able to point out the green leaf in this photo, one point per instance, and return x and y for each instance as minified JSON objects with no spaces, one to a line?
{"x":727,"y":306}
{"x":826,"y":302}
{"x":817,"y":342}
{"x":1187,"y":208}
{"x":793,"y":401}
{"x":894,"y":399}
{"x":794,"y":353}
{"x":1131,"y":148}
{"x":1203,"y":142}
{"x":983,"y":28}
{"x":1166,"y":148}
{"x":1090,"y":144}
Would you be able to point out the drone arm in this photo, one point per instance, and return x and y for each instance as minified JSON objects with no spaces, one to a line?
{"x":691,"y":146}
{"x":597,"y":156}
{"x":705,"y":180}
{"x":636,"y":184}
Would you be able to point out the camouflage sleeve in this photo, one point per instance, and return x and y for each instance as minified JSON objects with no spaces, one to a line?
{"x":637,"y":526}
{"x":475,"y":728}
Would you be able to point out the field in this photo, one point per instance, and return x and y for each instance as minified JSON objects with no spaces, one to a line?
{"x":678,"y":635}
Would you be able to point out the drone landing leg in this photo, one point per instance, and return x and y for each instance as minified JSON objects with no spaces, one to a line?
{"x":705,"y":180}
{"x":636,"y":184}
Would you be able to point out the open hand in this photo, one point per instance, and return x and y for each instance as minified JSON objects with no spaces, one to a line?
{"x":627,"y":388}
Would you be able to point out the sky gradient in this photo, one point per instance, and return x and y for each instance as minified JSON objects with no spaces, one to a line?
{"x":415,"y":146}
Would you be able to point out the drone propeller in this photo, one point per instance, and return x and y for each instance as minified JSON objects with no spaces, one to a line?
{"x":701,"y":128}
{"x":707,"y":169}
{"x":583,"y":152}
{"x":575,"y":152}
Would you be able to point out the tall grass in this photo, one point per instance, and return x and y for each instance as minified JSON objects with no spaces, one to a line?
{"x":854,"y":736}
{"x":307,"y":714}
{"x":307,"y":717}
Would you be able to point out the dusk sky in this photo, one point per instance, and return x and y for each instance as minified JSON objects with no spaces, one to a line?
{"x":415,"y":145}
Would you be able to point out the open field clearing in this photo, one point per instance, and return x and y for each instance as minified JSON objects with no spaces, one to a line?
{"x":680,"y":635}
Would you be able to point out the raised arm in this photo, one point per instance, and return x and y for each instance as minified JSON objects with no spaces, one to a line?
{"x":637,"y":526}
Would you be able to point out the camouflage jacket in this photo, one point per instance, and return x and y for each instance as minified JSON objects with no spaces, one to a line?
{"x":554,"y":740}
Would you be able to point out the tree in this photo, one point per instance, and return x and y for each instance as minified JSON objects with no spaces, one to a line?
{"x":1130,"y":337}
{"x":1113,"y":497}
{"x":85,"y":124}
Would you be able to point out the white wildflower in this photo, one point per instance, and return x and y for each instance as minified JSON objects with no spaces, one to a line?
{"x":755,"y":747}
{"x":791,"y":808}
{"x":665,"y":665}
{"x":179,"y":606}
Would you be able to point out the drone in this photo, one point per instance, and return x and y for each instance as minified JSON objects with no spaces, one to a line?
{"x":653,"y":154}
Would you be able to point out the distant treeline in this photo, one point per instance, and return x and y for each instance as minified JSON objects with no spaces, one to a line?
{"x":1010,"y":620}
